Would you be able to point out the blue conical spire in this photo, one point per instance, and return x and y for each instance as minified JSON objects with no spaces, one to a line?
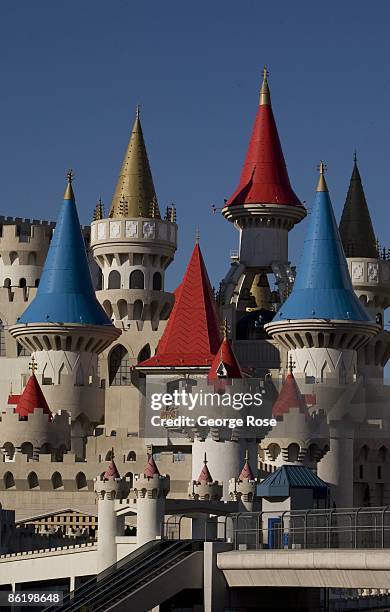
{"x":65,"y":293}
{"x":323,"y":288}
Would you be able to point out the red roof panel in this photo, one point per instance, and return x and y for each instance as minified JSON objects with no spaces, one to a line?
{"x":191,"y":337}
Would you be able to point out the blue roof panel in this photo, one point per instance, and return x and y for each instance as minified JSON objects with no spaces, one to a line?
{"x":65,"y":293}
{"x":287,"y":477}
{"x":323,"y":287}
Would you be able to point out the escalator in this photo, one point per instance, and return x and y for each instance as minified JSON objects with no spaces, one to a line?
{"x":143,"y":579}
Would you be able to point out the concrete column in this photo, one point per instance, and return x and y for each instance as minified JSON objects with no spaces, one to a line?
{"x":214,"y":584}
{"x":336,"y":468}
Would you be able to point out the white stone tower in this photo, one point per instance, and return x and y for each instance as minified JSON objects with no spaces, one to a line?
{"x":133,"y":247}
{"x":243,"y":488}
{"x":150,"y":490}
{"x":108,"y":488}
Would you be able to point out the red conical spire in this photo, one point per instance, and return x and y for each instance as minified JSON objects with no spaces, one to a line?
{"x":225,"y":363}
{"x":32,"y":398}
{"x":246,"y":472}
{"x":111,"y":471}
{"x":205,"y":475}
{"x":264,"y":178}
{"x":289,"y":396}
{"x":151,"y":468}
{"x":191,"y":337}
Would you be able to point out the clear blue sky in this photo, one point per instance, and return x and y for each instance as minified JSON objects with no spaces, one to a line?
{"x":72,"y":73}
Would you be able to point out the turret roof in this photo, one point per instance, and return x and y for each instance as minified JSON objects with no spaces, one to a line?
{"x":151,"y":468}
{"x":32,"y":398}
{"x":323,"y":288}
{"x":65,"y":293}
{"x":289,"y":397}
{"x":111,"y":471}
{"x":225,"y":364}
{"x":191,"y":337}
{"x":356,"y":230}
{"x":264,"y":178}
{"x":246,"y":472}
{"x":205,"y":475}
{"x":134,"y":194}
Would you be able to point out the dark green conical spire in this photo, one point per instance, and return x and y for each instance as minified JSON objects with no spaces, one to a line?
{"x":356,"y":230}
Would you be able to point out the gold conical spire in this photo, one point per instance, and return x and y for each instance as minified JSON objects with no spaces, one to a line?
{"x":135,"y":195}
{"x":265,"y":95}
{"x":321,"y":185}
{"x":69,"y":195}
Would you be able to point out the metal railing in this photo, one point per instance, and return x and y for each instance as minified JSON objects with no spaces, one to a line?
{"x":337,"y":528}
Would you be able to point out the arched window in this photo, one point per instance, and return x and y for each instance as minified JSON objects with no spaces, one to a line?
{"x":293,"y":452}
{"x":273,"y":451}
{"x":37,"y":282}
{"x":45,"y":449}
{"x":56,"y":481}
{"x":119,"y":366}
{"x":144,"y":353}
{"x":61,"y":452}
{"x":32,"y":259}
{"x":9,"y":451}
{"x":137,"y":280}
{"x":2,"y":339}
{"x":382,"y":454}
{"x":108,"y":308}
{"x":27,"y":449}
{"x":99,"y":280}
{"x":81,"y":481}
{"x":109,"y":455}
{"x":114,"y":280}
{"x":129,"y":475}
{"x":32,"y":481}
{"x":7,"y":283}
{"x":157,"y":281}
{"x":138,"y":308}
{"x":122,"y":308}
{"x":9,"y":480}
{"x":132,"y":456}
{"x":22,"y":282}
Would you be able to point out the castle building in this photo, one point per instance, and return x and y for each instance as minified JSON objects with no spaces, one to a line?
{"x":89,"y":331}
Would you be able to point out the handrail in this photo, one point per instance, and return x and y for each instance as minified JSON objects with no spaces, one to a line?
{"x":90,"y":585}
{"x":124,"y":579}
{"x":151,"y":570}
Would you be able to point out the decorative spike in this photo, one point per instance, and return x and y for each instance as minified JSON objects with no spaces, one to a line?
{"x":265,"y":95}
{"x":321,"y":185}
{"x":99,"y":211}
{"x":69,"y":195}
{"x":33,"y":366}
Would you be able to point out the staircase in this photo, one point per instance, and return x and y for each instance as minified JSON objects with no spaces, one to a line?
{"x":142,"y":580}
